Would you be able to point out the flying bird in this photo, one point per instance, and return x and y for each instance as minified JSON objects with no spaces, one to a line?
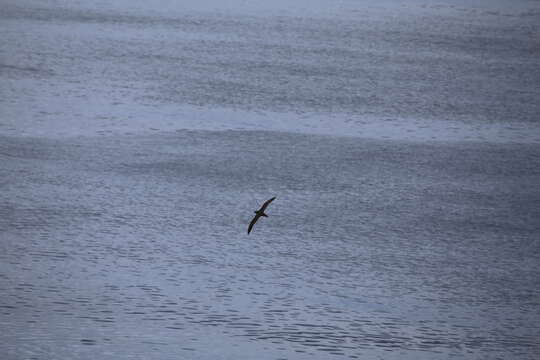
{"x":259,"y":213}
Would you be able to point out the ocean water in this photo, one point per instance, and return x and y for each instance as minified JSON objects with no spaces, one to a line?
{"x":403,"y":70}
{"x":401,"y":140}
{"x":388,"y":249}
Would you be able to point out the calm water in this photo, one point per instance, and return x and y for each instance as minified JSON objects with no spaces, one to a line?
{"x":137,"y":139}
{"x":137,"y":246}
{"x":369,"y":69}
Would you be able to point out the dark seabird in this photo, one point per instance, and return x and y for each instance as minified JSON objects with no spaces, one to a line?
{"x":259,"y":213}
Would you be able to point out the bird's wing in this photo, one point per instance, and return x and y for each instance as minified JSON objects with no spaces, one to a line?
{"x":253,"y":222}
{"x":266,"y":204}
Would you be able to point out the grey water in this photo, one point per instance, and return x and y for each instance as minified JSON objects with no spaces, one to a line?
{"x":400,"y":139}
{"x":437,"y":70}
{"x":138,"y":246}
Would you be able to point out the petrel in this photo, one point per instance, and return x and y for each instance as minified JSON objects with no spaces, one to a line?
{"x":259,"y":213}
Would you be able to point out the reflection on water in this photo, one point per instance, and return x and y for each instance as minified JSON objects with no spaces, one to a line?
{"x":137,"y":246}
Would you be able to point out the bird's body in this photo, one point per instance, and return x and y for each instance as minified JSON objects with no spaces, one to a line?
{"x":259,"y":213}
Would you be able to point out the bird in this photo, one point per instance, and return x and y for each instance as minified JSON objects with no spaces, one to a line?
{"x":259,"y":213}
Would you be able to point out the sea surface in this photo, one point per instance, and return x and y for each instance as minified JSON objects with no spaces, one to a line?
{"x":401,"y":140}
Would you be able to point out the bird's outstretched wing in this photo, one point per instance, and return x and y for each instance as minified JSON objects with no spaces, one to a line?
{"x":266,"y":203}
{"x":253,"y":222}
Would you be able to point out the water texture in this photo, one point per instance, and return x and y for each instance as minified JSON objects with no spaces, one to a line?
{"x":138,"y":246}
{"x":401,"y":140}
{"x":406,"y":70}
